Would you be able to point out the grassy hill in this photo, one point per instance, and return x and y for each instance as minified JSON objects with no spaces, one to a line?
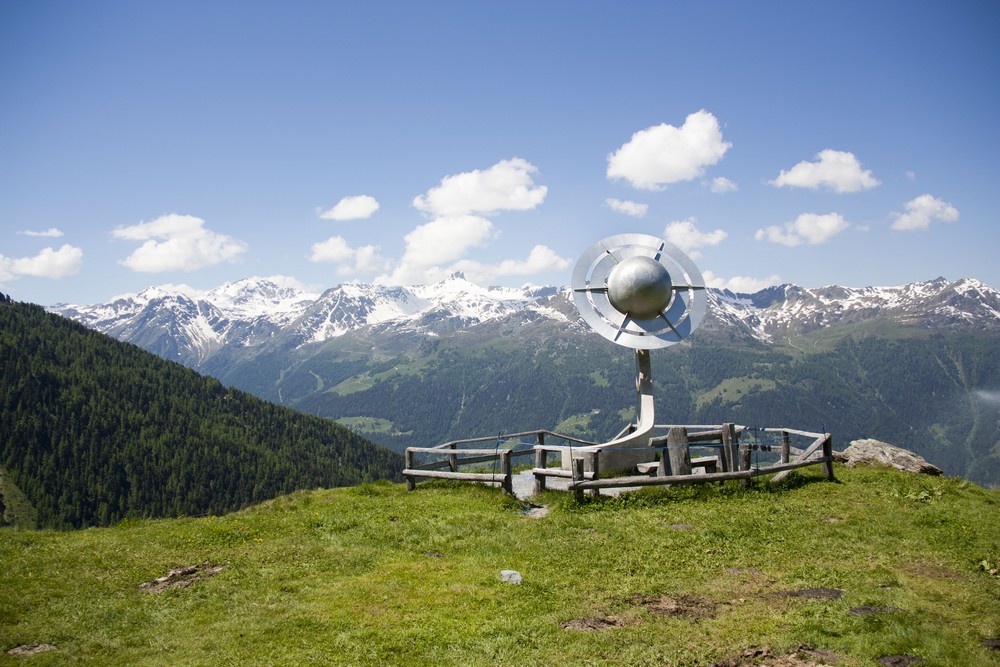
{"x":878,"y":563}
{"x":93,"y":430}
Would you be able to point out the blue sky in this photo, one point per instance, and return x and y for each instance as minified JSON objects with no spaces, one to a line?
{"x":175,"y":142}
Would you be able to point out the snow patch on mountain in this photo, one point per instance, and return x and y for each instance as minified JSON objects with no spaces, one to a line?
{"x":190,"y":326}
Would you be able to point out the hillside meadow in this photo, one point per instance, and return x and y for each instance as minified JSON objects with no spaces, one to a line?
{"x":878,"y":563}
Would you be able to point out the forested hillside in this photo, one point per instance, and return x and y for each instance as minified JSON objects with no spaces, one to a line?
{"x":93,"y":430}
{"x":934,"y":394}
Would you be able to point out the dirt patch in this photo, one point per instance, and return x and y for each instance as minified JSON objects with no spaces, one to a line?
{"x":871,"y":611}
{"x":684,"y":606}
{"x":815,"y":593}
{"x":27,"y":650}
{"x":899,"y":660}
{"x":991,"y":644}
{"x":181,"y":577}
{"x":833,"y":519}
{"x":595,"y":623}
{"x":801,"y":656}
{"x":682,"y":526}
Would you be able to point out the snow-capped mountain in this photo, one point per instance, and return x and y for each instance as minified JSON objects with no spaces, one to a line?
{"x":182,"y":324}
{"x":777,"y":312}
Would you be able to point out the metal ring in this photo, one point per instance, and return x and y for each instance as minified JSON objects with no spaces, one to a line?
{"x":675,"y":319}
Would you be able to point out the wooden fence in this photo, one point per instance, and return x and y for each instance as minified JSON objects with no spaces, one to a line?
{"x":452,"y":455}
{"x":673,"y":465}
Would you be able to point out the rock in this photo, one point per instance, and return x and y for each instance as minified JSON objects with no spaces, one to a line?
{"x":27,"y":650}
{"x":510,"y":576}
{"x":876,"y":452}
{"x":181,"y":577}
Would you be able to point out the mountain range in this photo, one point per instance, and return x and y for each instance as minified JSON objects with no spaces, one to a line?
{"x":911,"y":364}
{"x":259,"y":313}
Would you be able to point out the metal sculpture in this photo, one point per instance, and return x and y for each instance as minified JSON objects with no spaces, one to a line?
{"x":640,"y":292}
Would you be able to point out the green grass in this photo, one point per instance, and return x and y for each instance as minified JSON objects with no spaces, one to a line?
{"x":577,"y":425}
{"x":600,"y":378}
{"x":375,"y":575}
{"x":732,"y":390}
{"x":372,"y":425}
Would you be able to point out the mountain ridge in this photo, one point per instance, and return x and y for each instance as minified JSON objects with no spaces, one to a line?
{"x":191,"y":327}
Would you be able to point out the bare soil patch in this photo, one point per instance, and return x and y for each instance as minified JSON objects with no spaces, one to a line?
{"x":595,"y":623}
{"x":181,"y":577}
{"x":801,"y":656}
{"x":684,"y":606}
{"x":815,"y":593}
{"x":899,"y":660}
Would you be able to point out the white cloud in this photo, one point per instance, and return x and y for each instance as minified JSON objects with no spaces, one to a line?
{"x":628,"y":207}
{"x":334,"y":249}
{"x":808,"y":228}
{"x":351,"y":261}
{"x":741,"y":284}
{"x":51,"y":233}
{"x":721,"y":184}
{"x":540,"y":259}
{"x":922,"y":211}
{"x":359,"y":207}
{"x":910,"y":175}
{"x":839,"y":171}
{"x":506,"y":186}
{"x":435,"y":243}
{"x":177,"y":243}
{"x":49,"y":263}
{"x":664,"y":154}
{"x":685,"y":235}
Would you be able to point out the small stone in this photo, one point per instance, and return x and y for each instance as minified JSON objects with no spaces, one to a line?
{"x":510,"y":576}
{"x":30,"y":649}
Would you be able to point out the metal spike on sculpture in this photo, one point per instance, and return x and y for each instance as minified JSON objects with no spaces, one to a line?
{"x":638,"y":291}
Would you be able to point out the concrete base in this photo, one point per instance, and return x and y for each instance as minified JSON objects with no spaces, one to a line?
{"x":611,"y":460}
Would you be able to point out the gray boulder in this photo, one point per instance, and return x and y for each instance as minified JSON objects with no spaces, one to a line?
{"x":876,"y":452}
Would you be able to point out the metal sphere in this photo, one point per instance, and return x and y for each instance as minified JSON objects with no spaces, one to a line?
{"x":640,"y":287}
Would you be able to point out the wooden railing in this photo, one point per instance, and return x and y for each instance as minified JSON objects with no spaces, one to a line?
{"x":673,"y":462}
{"x":451,"y":456}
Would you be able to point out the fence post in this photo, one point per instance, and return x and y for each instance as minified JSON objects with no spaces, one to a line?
{"x":411,"y":483}
{"x":594,"y":466}
{"x":677,"y":448}
{"x":453,"y":459}
{"x":541,"y":460}
{"x":578,"y":477}
{"x":784,"y":446}
{"x":507,"y":483}
{"x":745,"y":458}
{"x":726,"y":459}
{"x":828,"y":453}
